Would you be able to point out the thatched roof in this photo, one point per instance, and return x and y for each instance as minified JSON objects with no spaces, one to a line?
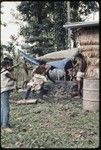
{"x":69,"y":53}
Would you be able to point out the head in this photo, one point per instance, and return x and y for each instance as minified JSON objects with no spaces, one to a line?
{"x":9,"y":59}
{"x":74,"y":61}
{"x":42,"y":63}
{"x":6,"y":64}
{"x":79,"y":55}
{"x":25,"y":61}
{"x":40,"y":70}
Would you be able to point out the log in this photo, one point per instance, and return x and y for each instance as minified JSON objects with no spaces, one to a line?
{"x":92,"y":72}
{"x":89,"y":38}
{"x":89,"y":48}
{"x":91,"y":54}
{"x":89,"y":42}
{"x":31,"y":101}
{"x":93,"y":61}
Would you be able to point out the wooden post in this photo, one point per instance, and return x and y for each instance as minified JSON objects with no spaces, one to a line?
{"x":69,"y":32}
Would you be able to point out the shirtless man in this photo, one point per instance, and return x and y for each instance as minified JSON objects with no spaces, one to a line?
{"x":82,"y":66}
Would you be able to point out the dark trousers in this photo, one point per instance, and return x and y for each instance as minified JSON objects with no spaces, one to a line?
{"x":40,"y":93}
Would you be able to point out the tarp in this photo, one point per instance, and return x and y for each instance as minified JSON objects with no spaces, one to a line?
{"x":30,"y":59}
{"x":59,"y":55}
{"x":59,"y":64}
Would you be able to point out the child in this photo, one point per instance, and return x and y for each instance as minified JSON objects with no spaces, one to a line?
{"x":7,"y":85}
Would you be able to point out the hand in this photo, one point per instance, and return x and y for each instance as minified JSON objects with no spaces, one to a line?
{"x":16,"y":88}
{"x":53,"y":81}
{"x":15,"y":79}
{"x":65,"y":83}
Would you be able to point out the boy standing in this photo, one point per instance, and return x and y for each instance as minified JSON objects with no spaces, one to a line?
{"x":7,"y":85}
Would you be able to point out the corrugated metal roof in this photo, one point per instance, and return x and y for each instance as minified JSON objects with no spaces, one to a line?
{"x":81,"y":24}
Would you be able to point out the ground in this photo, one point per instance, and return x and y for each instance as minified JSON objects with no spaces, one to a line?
{"x":60,"y":123}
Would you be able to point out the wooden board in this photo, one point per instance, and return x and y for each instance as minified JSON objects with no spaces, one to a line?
{"x":30,"y":101}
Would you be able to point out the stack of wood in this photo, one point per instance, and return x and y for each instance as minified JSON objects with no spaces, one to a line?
{"x":89,"y":46}
{"x":88,"y":38}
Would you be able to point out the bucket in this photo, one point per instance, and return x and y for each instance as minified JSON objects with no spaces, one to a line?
{"x":91,"y":94}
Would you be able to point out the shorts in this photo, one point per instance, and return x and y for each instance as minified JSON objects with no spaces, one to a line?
{"x":80,"y":75}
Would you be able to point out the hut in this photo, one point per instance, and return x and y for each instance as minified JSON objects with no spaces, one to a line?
{"x":88,"y":36}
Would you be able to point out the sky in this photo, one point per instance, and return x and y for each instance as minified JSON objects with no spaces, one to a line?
{"x":6,"y":17}
{"x":12,"y":28}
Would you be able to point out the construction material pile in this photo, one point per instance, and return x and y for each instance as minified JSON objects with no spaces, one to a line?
{"x":89,"y":37}
{"x":89,"y":42}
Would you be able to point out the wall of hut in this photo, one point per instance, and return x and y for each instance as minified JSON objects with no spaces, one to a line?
{"x":89,"y":47}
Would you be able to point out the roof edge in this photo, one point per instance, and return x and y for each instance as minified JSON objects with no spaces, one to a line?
{"x":81,"y":24}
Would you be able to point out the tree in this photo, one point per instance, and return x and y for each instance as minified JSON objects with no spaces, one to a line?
{"x":79,"y":8}
{"x":2,"y":23}
{"x":39,"y":26}
{"x":60,"y":17}
{"x":45,"y":22}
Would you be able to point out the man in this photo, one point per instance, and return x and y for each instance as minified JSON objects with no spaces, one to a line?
{"x":68,"y":68}
{"x":65,"y":64}
{"x":82,"y":66}
{"x":37,"y":82}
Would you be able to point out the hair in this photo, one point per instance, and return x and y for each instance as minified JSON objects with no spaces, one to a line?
{"x":40,"y":70}
{"x":5,"y":63}
{"x":52,"y":67}
{"x":9,"y":59}
{"x":79,"y":56}
{"x":42,"y":62}
{"x":74,"y":61}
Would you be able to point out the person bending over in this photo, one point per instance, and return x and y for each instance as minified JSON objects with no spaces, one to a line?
{"x":37,"y":82}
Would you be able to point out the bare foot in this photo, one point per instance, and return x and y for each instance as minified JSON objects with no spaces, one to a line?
{"x":79,"y":97}
{"x":7,"y":130}
{"x":21,"y":101}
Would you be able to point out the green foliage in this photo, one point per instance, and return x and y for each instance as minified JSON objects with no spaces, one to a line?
{"x":39,"y":25}
{"x":2,"y":47}
{"x":53,"y":124}
{"x":46,"y":20}
{"x":82,"y":8}
{"x":60,"y":18}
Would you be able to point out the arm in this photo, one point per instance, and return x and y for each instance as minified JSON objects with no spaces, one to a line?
{"x":33,"y":71}
{"x":9,"y":75}
{"x":75,"y":65}
{"x":65,"y":77}
{"x":50,"y":77}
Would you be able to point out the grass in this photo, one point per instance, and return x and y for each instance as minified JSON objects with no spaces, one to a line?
{"x":54,"y":124}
